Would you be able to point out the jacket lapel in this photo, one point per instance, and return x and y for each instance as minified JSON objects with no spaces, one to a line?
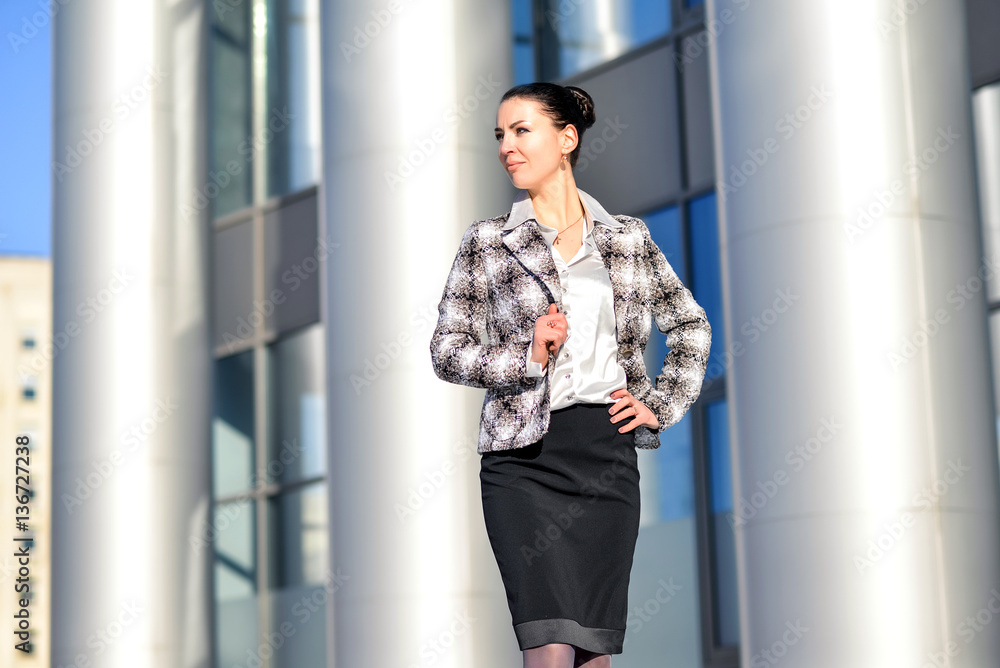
{"x":621,"y":270}
{"x":528,"y":245}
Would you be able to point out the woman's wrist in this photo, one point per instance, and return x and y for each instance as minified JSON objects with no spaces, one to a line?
{"x":539,"y":354}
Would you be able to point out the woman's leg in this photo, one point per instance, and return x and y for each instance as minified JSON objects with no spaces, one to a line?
{"x":552,"y":655}
{"x":587,"y":659}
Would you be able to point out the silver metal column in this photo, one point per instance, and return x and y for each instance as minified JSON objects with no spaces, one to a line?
{"x":986,"y":116}
{"x":861,"y":404}
{"x":131,"y":368}
{"x":410,"y":160}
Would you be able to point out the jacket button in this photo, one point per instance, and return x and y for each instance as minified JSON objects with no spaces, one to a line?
{"x":627,"y":352}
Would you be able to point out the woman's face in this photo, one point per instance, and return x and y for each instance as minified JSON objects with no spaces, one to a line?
{"x":531,"y":149}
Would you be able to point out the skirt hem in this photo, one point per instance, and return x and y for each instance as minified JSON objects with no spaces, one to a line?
{"x":544,"y":631}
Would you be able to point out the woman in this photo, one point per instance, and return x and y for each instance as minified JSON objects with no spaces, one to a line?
{"x":569,"y":399}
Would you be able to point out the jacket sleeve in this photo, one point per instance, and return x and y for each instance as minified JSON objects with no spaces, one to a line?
{"x":689,"y":337}
{"x":456,"y":352}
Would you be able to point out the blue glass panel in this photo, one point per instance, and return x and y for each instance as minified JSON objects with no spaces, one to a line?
{"x":706,"y":276}
{"x":590,"y":33}
{"x":522,"y":23}
{"x":521,"y":19}
{"x":665,"y":229}
{"x":675,"y":471}
{"x":524,"y":64}
{"x":230,"y":107}
{"x":297,"y":444}
{"x":720,"y":480}
{"x":722,"y":539}
{"x":233,"y":458}
{"x":301,"y":579}
{"x":236,"y":622}
{"x":293,"y":82}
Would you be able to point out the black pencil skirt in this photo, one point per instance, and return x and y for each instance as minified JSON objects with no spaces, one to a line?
{"x":562,"y":516}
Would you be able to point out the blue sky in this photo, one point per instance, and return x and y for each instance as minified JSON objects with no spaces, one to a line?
{"x":26,"y":122}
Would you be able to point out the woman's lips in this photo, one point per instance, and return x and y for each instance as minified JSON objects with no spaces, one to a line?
{"x":511,"y":166}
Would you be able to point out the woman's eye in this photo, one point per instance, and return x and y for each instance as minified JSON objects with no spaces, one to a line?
{"x":499,"y":137}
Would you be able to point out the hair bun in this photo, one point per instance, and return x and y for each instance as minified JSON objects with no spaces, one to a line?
{"x":585,"y":103}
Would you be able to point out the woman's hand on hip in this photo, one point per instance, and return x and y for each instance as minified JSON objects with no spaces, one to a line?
{"x":627,"y":406}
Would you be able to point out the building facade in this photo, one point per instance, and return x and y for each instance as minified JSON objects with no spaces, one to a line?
{"x":824,"y":178}
{"x":25,"y":412}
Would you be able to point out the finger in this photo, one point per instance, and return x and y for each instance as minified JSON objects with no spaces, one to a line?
{"x":628,"y":427}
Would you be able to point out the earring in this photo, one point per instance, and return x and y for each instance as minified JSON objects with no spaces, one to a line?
{"x":564,"y":156}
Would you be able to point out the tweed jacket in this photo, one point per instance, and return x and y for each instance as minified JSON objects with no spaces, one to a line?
{"x":488,"y":309}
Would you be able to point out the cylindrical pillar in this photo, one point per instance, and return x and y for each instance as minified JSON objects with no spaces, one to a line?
{"x":131,"y":362}
{"x":410,"y":160}
{"x":864,"y":455}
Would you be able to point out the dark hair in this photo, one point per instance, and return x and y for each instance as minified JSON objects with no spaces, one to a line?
{"x":563,"y":104}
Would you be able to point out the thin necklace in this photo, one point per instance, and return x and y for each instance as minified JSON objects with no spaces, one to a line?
{"x":566,"y":228}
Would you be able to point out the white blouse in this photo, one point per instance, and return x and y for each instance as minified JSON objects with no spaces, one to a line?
{"x":586,"y":369}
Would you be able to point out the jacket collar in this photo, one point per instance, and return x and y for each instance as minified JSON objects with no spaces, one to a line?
{"x":523,"y":210}
{"x":528,"y":246}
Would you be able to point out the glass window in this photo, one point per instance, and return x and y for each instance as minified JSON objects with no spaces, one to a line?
{"x":522,"y":20}
{"x":233,"y":426}
{"x":230,"y":179}
{"x":664,"y":618}
{"x":293,"y":84}
{"x":298,"y":543}
{"x":297,"y":447}
{"x":581,"y":35}
{"x":235,"y":566}
{"x":298,"y":537}
{"x":722,"y":540}
{"x":28,"y":341}
{"x":693,"y":3}
{"x":706,"y":274}
{"x":665,"y":229}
